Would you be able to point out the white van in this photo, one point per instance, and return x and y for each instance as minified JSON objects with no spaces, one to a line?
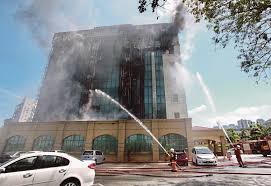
{"x":95,"y":155}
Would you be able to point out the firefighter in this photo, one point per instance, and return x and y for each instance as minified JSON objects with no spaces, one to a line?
{"x":237,"y":151}
{"x":173,"y":160}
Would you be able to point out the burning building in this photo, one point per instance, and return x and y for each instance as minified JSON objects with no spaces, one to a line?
{"x":131,"y":63}
{"x":136,"y":65}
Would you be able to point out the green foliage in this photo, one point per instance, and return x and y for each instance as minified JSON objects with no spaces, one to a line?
{"x":233,"y":135}
{"x":245,"y":134}
{"x":246,"y":23}
{"x":258,"y":131}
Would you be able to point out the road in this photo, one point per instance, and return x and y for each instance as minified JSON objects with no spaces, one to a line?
{"x":228,"y":173}
{"x":215,"y":180}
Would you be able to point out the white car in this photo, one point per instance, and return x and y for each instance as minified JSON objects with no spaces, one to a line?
{"x":203,"y":156}
{"x":47,"y":169}
{"x":94,"y":155}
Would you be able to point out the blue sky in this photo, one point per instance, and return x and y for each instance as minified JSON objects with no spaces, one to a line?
{"x":233,"y":93}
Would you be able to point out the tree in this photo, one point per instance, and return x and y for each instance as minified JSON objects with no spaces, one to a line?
{"x":246,"y":23}
{"x":245,"y":134}
{"x":233,"y":135}
{"x":258,"y":131}
{"x":255,"y":132}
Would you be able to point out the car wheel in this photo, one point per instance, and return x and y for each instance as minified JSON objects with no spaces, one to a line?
{"x":71,"y":182}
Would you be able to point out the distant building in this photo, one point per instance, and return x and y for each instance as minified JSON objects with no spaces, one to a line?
{"x":260,"y":121}
{"x":225,"y":126}
{"x":24,"y":112}
{"x":232,"y":126}
{"x":244,"y":124}
{"x":268,"y":123}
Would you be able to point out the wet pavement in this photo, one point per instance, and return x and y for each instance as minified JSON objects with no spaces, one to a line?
{"x":257,"y":172}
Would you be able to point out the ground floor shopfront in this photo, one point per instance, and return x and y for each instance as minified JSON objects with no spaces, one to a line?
{"x":120,"y":140}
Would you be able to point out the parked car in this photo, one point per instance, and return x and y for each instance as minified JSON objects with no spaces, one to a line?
{"x":16,"y":154}
{"x":47,"y":168}
{"x":60,"y":151}
{"x":4,"y":157}
{"x":95,"y":155}
{"x":203,"y":156}
{"x":182,"y":158}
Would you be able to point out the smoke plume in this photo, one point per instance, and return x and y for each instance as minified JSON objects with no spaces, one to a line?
{"x":79,"y":57}
{"x":43,"y":18}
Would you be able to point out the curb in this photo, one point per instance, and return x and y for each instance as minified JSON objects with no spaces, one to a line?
{"x":243,"y":173}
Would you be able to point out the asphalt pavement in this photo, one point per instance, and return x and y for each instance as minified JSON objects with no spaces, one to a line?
{"x":257,"y":172}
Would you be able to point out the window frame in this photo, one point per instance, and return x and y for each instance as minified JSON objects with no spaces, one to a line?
{"x":35,"y":165}
{"x":40,"y":161}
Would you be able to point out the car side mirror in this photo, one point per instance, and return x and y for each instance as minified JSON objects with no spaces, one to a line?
{"x":2,"y":170}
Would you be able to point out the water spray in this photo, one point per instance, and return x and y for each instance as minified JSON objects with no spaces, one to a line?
{"x":219,"y":125}
{"x":133,"y":116}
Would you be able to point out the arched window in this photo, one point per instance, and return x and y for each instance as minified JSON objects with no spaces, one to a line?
{"x":138,"y":143}
{"x":43,"y":143}
{"x":73,"y":143}
{"x":176,"y":141}
{"x":106,"y":143}
{"x":15,"y":143}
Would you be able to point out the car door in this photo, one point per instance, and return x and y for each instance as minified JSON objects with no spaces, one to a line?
{"x":19,"y":173}
{"x":51,"y":169}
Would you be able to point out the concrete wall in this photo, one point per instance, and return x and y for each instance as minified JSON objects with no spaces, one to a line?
{"x":121,"y":129}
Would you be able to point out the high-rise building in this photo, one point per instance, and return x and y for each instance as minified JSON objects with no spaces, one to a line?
{"x":24,"y":112}
{"x":244,"y":124}
{"x":260,"y":121}
{"x":135,"y":64}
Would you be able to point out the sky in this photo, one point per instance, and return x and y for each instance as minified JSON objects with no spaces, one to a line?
{"x":215,"y":87}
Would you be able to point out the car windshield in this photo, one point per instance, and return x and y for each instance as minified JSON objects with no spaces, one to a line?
{"x":88,"y":153}
{"x":203,"y":151}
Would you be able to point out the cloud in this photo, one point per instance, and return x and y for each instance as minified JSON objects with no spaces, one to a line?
{"x":251,"y":113}
{"x":9,"y":93}
{"x":197,"y":110}
{"x":206,"y":91}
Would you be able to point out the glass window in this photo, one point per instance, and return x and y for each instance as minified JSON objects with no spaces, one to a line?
{"x":176,"y":141}
{"x":176,"y":115}
{"x":138,"y":143}
{"x":99,"y":153}
{"x":73,"y":143}
{"x":15,"y":143}
{"x":106,"y":143}
{"x":60,"y":161}
{"x":175,"y":98}
{"x":43,"y":143}
{"x":22,"y":165}
{"x":49,"y":161}
{"x":88,"y":153}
